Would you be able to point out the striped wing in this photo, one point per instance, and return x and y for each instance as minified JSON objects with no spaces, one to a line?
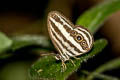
{"x":60,"y":29}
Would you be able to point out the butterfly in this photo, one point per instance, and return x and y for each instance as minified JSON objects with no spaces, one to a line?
{"x":70,"y":40}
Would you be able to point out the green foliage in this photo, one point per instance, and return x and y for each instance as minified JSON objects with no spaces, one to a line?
{"x":105,"y":67}
{"x":94,"y":17}
{"x":97,"y":75}
{"x":5,"y":42}
{"x":27,"y":40}
{"x":8,"y":46}
{"x":47,"y":67}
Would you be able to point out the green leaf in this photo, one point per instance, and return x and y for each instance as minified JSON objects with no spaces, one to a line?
{"x":95,"y":17}
{"x":109,"y":66}
{"x":5,"y":43}
{"x":48,"y":68}
{"x":98,"y":76}
{"x":105,"y":67}
{"x":27,"y":40}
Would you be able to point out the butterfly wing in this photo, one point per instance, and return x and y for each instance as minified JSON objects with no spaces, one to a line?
{"x":60,"y":30}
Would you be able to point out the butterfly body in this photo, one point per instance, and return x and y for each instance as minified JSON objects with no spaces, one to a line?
{"x":69,"y":40}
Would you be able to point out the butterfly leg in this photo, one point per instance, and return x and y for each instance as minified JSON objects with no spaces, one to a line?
{"x":46,"y":53}
{"x":63,"y":66}
{"x":72,"y":62}
{"x":76,"y":58}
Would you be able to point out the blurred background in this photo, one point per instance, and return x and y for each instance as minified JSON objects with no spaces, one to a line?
{"x":29,"y":17}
